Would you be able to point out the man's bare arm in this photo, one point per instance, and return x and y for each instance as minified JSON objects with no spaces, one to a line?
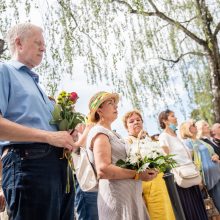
{"x":11,"y":131}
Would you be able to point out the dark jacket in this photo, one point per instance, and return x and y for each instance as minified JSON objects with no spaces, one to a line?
{"x":214,"y":145}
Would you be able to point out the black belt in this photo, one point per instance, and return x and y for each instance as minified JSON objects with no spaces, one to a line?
{"x":26,"y":150}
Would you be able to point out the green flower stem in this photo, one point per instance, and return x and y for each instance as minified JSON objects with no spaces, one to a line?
{"x":68,"y":180}
{"x":67,"y":155}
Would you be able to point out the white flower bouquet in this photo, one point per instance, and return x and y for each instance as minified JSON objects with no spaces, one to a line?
{"x":146,"y":154}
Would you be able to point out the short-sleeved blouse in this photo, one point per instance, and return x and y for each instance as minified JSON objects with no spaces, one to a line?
{"x":176,"y":147}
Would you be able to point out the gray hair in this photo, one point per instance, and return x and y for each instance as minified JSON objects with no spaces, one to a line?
{"x":19,"y":31}
{"x":213,"y":128}
{"x":199,"y":125}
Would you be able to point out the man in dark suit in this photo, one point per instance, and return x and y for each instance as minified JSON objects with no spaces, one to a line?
{"x":215,"y":141}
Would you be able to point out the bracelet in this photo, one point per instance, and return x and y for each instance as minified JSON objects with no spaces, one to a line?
{"x":136,"y":177}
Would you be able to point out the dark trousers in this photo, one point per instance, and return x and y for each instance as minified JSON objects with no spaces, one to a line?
{"x":192,"y":203}
{"x":34,"y":181}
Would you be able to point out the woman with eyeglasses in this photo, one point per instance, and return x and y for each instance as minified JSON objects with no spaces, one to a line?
{"x":191,"y":197}
{"x":205,"y":158}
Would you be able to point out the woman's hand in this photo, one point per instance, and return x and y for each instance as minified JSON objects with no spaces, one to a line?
{"x":165,"y":149}
{"x":148,"y":174}
{"x":201,"y":186}
{"x":82,"y":131}
{"x":80,"y":128}
{"x":215,"y":158}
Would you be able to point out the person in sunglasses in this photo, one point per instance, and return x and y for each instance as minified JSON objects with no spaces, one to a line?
{"x":205,"y":158}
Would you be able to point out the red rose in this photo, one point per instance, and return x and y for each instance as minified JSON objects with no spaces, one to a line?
{"x":73,"y":96}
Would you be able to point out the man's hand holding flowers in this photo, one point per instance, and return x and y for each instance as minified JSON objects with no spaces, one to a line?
{"x":61,"y":139}
{"x":66,"y":119}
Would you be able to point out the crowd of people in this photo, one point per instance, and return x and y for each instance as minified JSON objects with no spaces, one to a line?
{"x":35,"y":173}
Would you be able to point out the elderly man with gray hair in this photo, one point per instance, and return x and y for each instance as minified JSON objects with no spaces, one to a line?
{"x":215,"y":131}
{"x":34,"y":174}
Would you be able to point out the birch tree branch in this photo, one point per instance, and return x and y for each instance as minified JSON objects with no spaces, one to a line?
{"x":164,"y":17}
{"x":182,"y":55}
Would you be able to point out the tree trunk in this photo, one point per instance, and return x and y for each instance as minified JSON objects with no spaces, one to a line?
{"x":2,"y":43}
{"x":214,"y":60}
{"x":212,"y":50}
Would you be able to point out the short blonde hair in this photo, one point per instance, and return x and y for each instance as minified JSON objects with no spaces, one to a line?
{"x":199,"y":125}
{"x":185,"y":129}
{"x":129,"y":114}
{"x":19,"y":31}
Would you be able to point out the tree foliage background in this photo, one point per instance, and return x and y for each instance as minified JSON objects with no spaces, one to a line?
{"x":150,"y":51}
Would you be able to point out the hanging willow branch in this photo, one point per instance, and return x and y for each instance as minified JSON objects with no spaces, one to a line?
{"x":66,"y":9}
{"x":115,"y":39}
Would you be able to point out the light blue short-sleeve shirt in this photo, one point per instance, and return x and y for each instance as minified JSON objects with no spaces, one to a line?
{"x":21,"y":99}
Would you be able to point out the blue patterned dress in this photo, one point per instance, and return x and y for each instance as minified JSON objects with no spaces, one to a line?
{"x":211,"y":170}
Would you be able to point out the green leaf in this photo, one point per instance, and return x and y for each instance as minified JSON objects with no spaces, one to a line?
{"x":53,"y":122}
{"x":63,"y":125}
{"x":56,"y":113}
{"x":76,"y":119}
{"x":120,"y":163}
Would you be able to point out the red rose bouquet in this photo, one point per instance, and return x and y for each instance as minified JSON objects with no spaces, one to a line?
{"x":66,"y":118}
{"x":64,"y":114}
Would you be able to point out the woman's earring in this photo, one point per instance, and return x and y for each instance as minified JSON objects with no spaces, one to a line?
{"x":102,"y":118}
